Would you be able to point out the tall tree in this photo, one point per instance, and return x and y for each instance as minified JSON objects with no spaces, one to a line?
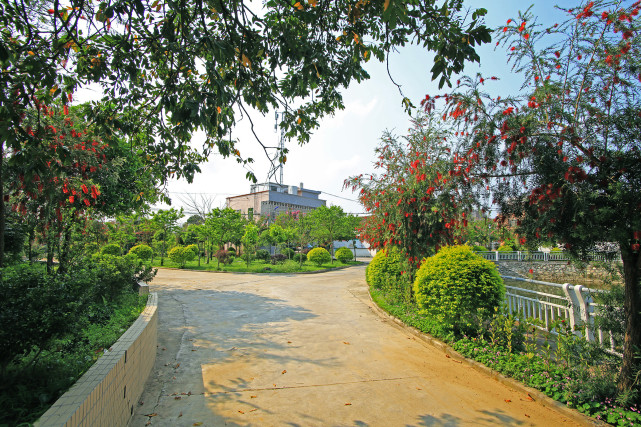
{"x":166,"y":222}
{"x":564,"y":155}
{"x":329,"y":224}
{"x":225,"y":226}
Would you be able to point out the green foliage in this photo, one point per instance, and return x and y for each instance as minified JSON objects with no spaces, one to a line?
{"x":278,"y":259}
{"x":458,"y":288}
{"x":111,"y":275}
{"x":35,"y":308}
{"x":319,"y":256}
{"x":479,"y":248}
{"x":181,"y":254}
{"x":505,"y":248}
{"x":111,"y":249}
{"x":262,"y":254}
{"x":288,"y":252}
{"x":144,"y":252}
{"x":385,"y":268}
{"x":344,"y":255}
{"x":194,"y":249}
{"x":300,"y":257}
{"x":231,"y":249}
{"x":556,"y":250}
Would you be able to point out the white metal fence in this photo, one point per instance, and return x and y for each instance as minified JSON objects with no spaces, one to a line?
{"x":576,"y":307}
{"x":539,"y":256}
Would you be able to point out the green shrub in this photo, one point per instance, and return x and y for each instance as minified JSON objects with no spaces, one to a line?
{"x":319,"y":256}
{"x":194,"y":249}
{"x":385,"y":268}
{"x":181,"y":254}
{"x":143,"y":252}
{"x":278,"y":259}
{"x":298,"y":256}
{"x":112,"y":275}
{"x":232,"y":250}
{"x":344,"y":255}
{"x":262,"y":254}
{"x":111,"y":249}
{"x":288,"y":252}
{"x":458,"y":288}
{"x":505,"y":248}
{"x":35,"y":309}
{"x":479,"y":248}
{"x":224,"y":257}
{"x":556,"y":250}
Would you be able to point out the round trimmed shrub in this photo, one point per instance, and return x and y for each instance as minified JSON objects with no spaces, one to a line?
{"x":319,"y":256}
{"x":143,"y":252}
{"x":111,"y":249}
{"x":180,"y":255}
{"x":458,"y":288}
{"x":505,"y":248}
{"x":479,"y":248}
{"x":262,"y":254}
{"x":288,"y":252}
{"x":194,"y":249}
{"x":344,"y":255}
{"x":385,"y":268}
{"x":298,"y":256}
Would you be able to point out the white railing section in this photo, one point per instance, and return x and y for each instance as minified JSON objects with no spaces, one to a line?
{"x":575,"y":306}
{"x":539,"y":256}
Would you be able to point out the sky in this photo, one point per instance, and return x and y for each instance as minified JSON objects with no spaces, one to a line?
{"x":344,"y":144}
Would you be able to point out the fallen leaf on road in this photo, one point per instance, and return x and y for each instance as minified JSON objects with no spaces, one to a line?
{"x":241,"y":412}
{"x":284,"y":371}
{"x":418,"y":388}
{"x":173,"y":394}
{"x":345,"y":342}
{"x":348,"y":404}
{"x":163,"y":349}
{"x":141,"y":403}
{"x":252,"y":397}
{"x":193,"y":349}
{"x":177,"y":398}
{"x":199,"y":423}
{"x":289,"y":342}
{"x":189,"y":393}
{"x":448,"y":356}
{"x":530,"y":397}
{"x":255,"y":409}
{"x":527,"y":415}
{"x":151,"y":415}
{"x":507,"y":400}
{"x":180,"y":415}
{"x":177,"y":365}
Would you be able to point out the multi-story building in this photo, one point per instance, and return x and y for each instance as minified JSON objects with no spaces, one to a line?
{"x":270,"y":199}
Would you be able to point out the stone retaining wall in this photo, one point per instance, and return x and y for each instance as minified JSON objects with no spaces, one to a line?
{"x":108,"y":392}
{"x":553,"y":271}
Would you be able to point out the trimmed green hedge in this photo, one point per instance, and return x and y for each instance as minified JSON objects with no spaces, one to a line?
{"x":458,"y":288}
{"x":344,"y":255}
{"x":319,"y":256}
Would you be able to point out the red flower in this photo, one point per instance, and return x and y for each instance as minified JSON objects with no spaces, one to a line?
{"x":71,"y":199}
{"x":531,"y":271}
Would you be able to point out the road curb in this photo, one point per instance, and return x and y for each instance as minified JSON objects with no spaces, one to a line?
{"x":263,"y":273}
{"x":534,"y":394}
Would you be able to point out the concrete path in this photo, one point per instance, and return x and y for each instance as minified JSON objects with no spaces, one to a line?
{"x":307,"y":350}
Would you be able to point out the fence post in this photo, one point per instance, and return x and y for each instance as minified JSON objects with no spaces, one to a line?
{"x":584,"y":310}
{"x":574,"y":306}
{"x":497,"y":255}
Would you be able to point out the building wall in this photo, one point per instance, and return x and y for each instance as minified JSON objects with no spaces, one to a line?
{"x":272,"y":203}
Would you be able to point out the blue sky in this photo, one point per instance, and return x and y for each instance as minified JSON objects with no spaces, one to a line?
{"x":344,"y":144}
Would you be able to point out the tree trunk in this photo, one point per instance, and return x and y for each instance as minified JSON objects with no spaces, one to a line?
{"x":2,"y":209}
{"x":632,"y":306}
{"x":63,"y":256}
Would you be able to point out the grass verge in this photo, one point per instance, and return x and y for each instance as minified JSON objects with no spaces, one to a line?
{"x":240,"y":266}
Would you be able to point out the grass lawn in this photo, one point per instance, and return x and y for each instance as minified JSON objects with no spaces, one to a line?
{"x":256,"y":266}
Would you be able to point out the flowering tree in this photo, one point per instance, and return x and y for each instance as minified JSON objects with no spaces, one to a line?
{"x":418,"y":199}
{"x":563,"y":156}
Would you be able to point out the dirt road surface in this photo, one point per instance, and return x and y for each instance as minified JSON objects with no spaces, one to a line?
{"x":307,"y":350}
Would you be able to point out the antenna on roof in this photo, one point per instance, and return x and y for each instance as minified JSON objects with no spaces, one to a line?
{"x":279,"y":154}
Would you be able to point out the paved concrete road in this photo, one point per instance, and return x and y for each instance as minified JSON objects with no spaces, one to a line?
{"x":307,"y":350}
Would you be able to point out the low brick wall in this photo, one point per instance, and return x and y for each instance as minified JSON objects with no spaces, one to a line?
{"x":554,"y":271}
{"x":108,"y":392}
